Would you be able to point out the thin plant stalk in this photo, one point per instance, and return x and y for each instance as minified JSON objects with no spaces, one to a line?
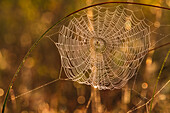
{"x":158,"y":80}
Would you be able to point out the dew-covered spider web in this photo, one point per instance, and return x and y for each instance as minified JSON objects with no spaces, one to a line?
{"x":107,"y":46}
{"x":104,"y":48}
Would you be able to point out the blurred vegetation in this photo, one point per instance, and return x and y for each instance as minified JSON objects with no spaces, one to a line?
{"x":21,"y":23}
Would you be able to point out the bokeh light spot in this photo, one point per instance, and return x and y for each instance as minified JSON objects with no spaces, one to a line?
{"x":149,"y":61}
{"x":144,"y":85}
{"x":95,"y":86}
{"x":29,"y":63}
{"x":81,"y":99}
{"x":157,"y":24}
{"x":162,"y":97}
{"x":3,"y":63}
{"x":1,"y":92}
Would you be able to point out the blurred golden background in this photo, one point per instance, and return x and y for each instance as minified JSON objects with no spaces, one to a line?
{"x":22,"y":22}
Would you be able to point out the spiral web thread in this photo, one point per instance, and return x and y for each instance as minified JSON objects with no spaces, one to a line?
{"x":104,"y":49}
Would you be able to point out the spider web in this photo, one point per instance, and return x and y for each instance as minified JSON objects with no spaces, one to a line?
{"x":104,"y":49}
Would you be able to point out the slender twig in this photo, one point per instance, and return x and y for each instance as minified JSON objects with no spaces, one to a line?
{"x":159,"y":46}
{"x":35,"y":44}
{"x":133,"y":109}
{"x":88,"y":103}
{"x":158,"y":80}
